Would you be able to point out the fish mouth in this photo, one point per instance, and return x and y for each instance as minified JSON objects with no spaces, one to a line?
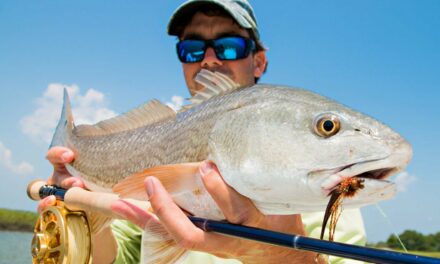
{"x":371,"y":170}
{"x":378,"y":174}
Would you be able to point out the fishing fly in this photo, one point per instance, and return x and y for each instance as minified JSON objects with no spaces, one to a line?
{"x":347,"y":188}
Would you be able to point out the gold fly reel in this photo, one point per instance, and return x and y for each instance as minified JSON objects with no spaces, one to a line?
{"x":61,"y":236}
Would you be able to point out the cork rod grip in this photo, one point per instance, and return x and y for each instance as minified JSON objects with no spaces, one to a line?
{"x":79,"y":199}
{"x":33,"y":189}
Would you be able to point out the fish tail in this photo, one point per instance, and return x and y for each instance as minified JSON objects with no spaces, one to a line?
{"x":65,"y":125}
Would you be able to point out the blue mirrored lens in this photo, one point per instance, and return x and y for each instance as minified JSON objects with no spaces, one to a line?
{"x":191,"y":50}
{"x":230,"y":48}
{"x":227,"y":48}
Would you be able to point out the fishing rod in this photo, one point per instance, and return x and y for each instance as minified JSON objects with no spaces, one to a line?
{"x":280,"y":239}
{"x":311,"y":244}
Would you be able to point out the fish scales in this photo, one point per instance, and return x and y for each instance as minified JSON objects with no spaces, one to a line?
{"x":284,"y":148}
{"x":109,"y":158}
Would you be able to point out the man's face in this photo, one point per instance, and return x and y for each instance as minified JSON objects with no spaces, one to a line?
{"x":242,"y":71}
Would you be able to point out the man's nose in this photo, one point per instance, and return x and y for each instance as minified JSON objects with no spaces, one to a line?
{"x":210,"y":59}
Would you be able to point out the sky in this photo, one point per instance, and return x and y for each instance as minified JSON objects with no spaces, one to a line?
{"x":379,"y":57}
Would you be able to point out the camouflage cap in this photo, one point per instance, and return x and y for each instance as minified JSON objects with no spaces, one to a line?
{"x":240,"y":10}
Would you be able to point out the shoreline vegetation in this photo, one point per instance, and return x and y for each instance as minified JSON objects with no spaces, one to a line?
{"x":415,"y":242}
{"x":17,"y":220}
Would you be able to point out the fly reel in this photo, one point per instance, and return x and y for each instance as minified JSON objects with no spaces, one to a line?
{"x":61,"y":236}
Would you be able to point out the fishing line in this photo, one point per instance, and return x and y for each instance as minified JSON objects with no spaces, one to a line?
{"x":390,"y":224}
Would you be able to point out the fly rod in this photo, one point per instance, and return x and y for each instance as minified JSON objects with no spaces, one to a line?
{"x":271,"y":237}
{"x":311,"y":244}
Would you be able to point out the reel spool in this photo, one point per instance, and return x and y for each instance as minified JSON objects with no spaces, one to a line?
{"x":61,"y":236}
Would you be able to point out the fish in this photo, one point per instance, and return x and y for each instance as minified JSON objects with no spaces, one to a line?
{"x":287,"y":149}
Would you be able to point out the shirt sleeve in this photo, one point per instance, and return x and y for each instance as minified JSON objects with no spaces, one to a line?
{"x":128,"y":237}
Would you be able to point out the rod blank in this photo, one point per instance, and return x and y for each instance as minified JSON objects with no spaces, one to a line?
{"x":312,"y":244}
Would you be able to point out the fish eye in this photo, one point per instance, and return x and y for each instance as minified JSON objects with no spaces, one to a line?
{"x":327,"y":125}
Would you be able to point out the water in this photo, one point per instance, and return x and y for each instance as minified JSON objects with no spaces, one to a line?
{"x":15,"y":247}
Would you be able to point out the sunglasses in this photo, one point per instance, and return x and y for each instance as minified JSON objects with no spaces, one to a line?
{"x":226,"y":48}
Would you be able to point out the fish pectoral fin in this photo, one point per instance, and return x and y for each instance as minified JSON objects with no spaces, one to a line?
{"x":158,"y":246}
{"x":175,"y":178}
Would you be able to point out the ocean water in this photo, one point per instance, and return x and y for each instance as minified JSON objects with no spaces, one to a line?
{"x":15,"y":247}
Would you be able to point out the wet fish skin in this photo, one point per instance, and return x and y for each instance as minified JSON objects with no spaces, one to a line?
{"x":106,"y":159}
{"x":263,"y":140}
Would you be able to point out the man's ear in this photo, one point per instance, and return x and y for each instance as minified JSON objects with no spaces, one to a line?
{"x":260,"y":63}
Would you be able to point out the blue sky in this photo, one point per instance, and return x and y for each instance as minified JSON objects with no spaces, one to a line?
{"x":379,"y":57}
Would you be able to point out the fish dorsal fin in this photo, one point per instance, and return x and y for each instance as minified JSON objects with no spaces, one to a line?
{"x":149,"y":113}
{"x":65,"y":124}
{"x":215,"y":83}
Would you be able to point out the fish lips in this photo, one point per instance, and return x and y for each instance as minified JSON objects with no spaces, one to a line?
{"x":372,"y":172}
{"x":374,"y":191}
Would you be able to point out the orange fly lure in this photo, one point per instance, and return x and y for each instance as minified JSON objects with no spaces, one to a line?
{"x":347,"y":188}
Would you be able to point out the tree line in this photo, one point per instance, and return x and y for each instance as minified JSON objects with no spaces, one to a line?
{"x":413,"y":241}
{"x":17,"y":220}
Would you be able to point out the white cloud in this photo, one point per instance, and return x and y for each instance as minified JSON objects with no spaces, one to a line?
{"x":403,"y":180}
{"x":176,"y":102}
{"x":6,"y":160}
{"x":87,"y":109}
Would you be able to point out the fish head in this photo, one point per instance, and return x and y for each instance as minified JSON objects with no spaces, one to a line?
{"x":287,"y":149}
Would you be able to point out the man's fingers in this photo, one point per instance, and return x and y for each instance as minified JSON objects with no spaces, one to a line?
{"x":236,"y":208}
{"x":173,"y":219}
{"x":59,"y":156}
{"x":179,"y":226}
{"x":131,"y":212}
{"x":67,"y":182}
{"x":46,"y":202}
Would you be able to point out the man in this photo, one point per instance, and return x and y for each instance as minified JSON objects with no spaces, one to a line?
{"x":217,"y":35}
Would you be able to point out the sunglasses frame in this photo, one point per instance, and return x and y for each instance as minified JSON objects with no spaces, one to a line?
{"x":250,"y":46}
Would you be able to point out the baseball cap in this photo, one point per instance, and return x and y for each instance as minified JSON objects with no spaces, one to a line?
{"x":240,"y":10}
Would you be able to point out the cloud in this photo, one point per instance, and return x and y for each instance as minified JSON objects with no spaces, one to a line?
{"x":403,"y":180}
{"x":6,"y":160}
{"x":87,"y":109}
{"x":176,"y":102}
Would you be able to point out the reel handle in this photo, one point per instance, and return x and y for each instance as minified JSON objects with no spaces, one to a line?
{"x":78,"y":199}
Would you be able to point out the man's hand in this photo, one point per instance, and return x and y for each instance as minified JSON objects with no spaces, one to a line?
{"x":105,"y":247}
{"x":59,"y":157}
{"x":236,"y":208}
